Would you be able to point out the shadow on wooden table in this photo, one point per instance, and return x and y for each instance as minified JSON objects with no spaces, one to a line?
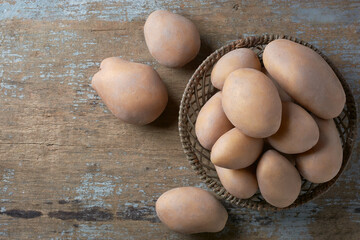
{"x":226,"y":233}
{"x":234,"y":225}
{"x":169,"y":115}
{"x":205,"y":51}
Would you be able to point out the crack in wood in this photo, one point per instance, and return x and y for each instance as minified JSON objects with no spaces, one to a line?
{"x":16,"y":213}
{"x":138,"y":214}
{"x":107,"y":30}
{"x":63,"y":201}
{"x":92,"y":214}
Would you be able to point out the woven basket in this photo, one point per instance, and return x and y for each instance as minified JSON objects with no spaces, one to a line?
{"x":199,"y":89}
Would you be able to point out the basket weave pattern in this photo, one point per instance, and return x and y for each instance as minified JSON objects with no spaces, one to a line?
{"x":199,"y":89}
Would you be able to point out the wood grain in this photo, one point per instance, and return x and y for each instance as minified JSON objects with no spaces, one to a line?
{"x":71,"y":170}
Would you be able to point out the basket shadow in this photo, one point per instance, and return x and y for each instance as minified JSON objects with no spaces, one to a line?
{"x":168,"y":116}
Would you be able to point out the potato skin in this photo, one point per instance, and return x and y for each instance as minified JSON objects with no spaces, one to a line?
{"x":241,"y":183}
{"x":278,"y":179}
{"x":323,"y":162}
{"x":283,"y":95}
{"x":211,"y":122}
{"x":133,"y":92}
{"x":257,"y":112}
{"x":298,"y":131}
{"x":306,"y":77}
{"x":235,"y":150}
{"x":238,"y":58}
{"x":172,"y":40}
{"x":191,"y":210}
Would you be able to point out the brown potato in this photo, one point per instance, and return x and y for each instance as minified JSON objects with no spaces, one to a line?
{"x":211,"y":122}
{"x":241,"y":183}
{"x":322,"y":162}
{"x":235,"y":150}
{"x":305,"y":76}
{"x":298,"y":131}
{"x":278,"y":179}
{"x":191,"y":210}
{"x":283,"y":95}
{"x":252,"y":103}
{"x":133,"y":92}
{"x":172,"y":40}
{"x":238,"y":58}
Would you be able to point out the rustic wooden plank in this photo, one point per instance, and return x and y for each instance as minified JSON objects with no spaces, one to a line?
{"x":69,"y":169}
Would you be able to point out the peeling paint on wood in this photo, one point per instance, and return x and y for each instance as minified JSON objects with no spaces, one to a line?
{"x":71,"y":170}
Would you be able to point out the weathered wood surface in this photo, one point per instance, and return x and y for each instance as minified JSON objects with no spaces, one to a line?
{"x":69,"y":169}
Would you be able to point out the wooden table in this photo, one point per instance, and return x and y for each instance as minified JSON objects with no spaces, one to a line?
{"x":70,"y":170}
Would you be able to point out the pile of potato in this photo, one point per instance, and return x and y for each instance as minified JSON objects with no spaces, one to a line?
{"x":266,"y":127}
{"x":285,"y":108}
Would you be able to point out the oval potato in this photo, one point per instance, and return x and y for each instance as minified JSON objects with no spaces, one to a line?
{"x":252,"y":103}
{"x":211,"y":122}
{"x":323,"y":162}
{"x":238,"y":58}
{"x":305,"y":76}
{"x":241,"y":183}
{"x":298,"y":131}
{"x":235,"y":150}
{"x":172,"y":40}
{"x":133,"y":92}
{"x":278,"y":179}
{"x":191,"y":210}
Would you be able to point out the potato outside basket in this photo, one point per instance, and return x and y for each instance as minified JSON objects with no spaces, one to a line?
{"x":199,"y":89}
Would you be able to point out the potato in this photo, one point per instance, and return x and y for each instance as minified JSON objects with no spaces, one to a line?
{"x":298,"y":131}
{"x":305,"y":76}
{"x":241,"y":183}
{"x":235,"y":150}
{"x":323,"y":162}
{"x":133,"y":92}
{"x":278,"y":179}
{"x":238,"y":58}
{"x":252,"y":103}
{"x":211,"y":122}
{"x":283,"y":95}
{"x":191,"y":210}
{"x":171,"y":39}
